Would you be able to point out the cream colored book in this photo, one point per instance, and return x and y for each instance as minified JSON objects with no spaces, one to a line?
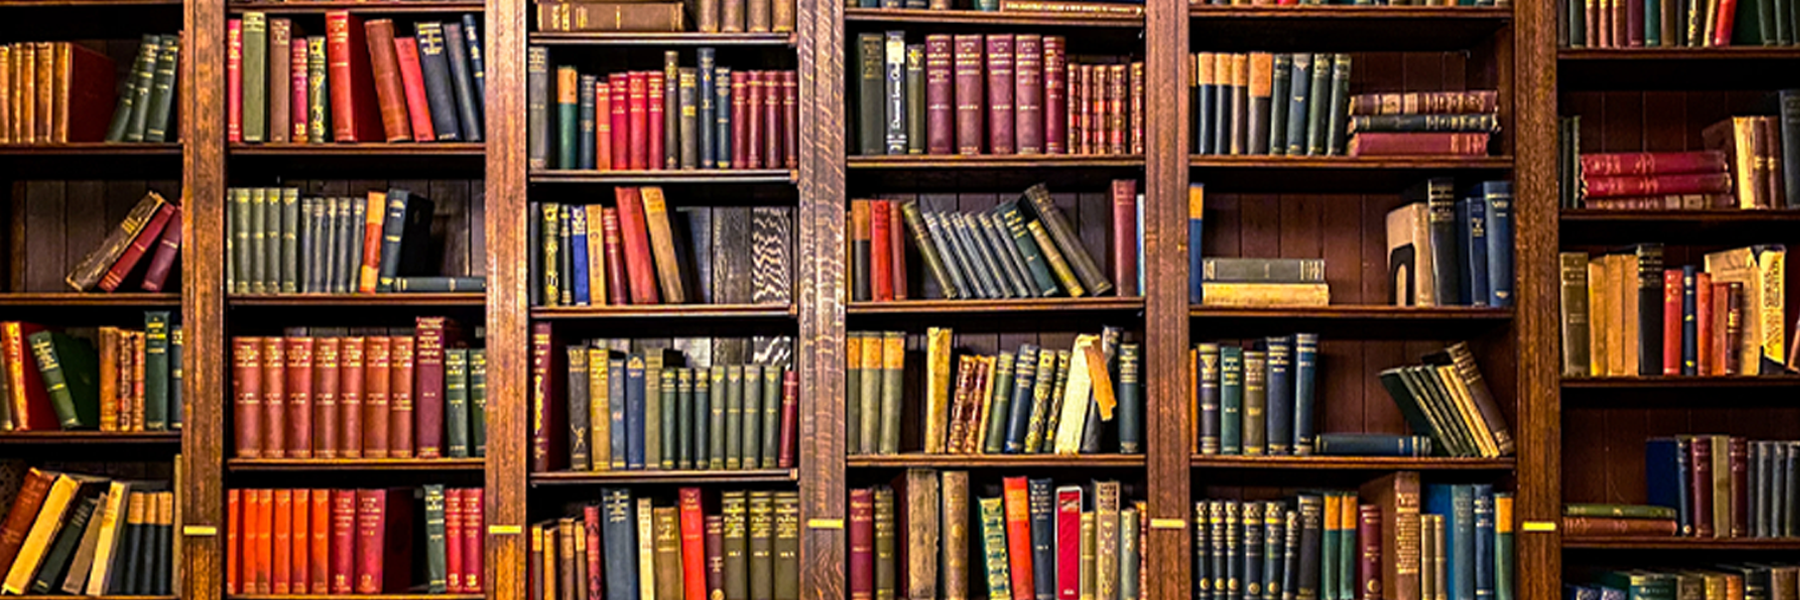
{"x":646,"y":540}
{"x":1762,"y":270}
{"x":1075,"y":399}
{"x":1465,"y":412}
{"x":937,"y":388}
{"x":37,"y":540}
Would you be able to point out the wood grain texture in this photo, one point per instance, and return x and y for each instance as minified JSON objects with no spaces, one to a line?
{"x":821,"y":291}
{"x":507,"y":317}
{"x":202,"y":99}
{"x":1168,"y":431}
{"x":1536,"y":335}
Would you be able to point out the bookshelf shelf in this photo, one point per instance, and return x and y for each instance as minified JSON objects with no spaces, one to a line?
{"x":360,"y":6}
{"x":1659,"y":382}
{"x":996,"y":461}
{"x":991,"y":18}
{"x":1722,"y":68}
{"x":364,"y":150}
{"x":1333,"y":174}
{"x":1028,"y":305}
{"x":1344,"y":27}
{"x":1354,"y":313}
{"x":665,"y":311}
{"x":75,"y":299}
{"x":1679,"y":543}
{"x":88,"y":149}
{"x":660,"y":40}
{"x":707,"y":477}
{"x":354,"y":597}
{"x":90,"y":160}
{"x":741,"y":176}
{"x":1417,"y":163}
{"x":91,"y":438}
{"x":352,"y":464}
{"x":1351,"y":463}
{"x":452,"y":299}
{"x":1040,"y":161}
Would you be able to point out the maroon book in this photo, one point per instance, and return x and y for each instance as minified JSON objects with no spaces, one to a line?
{"x":166,"y":251}
{"x":590,"y":531}
{"x":350,"y":397}
{"x":790,"y":419}
{"x":400,"y":397}
{"x":343,"y":541}
{"x":616,"y":287}
{"x":1418,"y":144}
{"x":547,"y":421}
{"x":1125,"y":235}
{"x":274,"y":399}
{"x":1000,"y":93}
{"x":1634,"y":24}
{"x":376,"y":354}
{"x":1652,"y":163}
{"x":790,"y":120}
{"x":299,"y":397}
{"x":1368,"y":535}
{"x":453,"y":526}
{"x":740,"y":120}
{"x":1740,"y":486}
{"x":246,"y":393}
{"x":862,"y":545}
{"x":616,"y":84}
{"x":1117,"y":116}
{"x":1056,"y":95}
{"x":653,"y":117}
{"x":1654,"y":185}
{"x":970,"y":128}
{"x":383,"y":540}
{"x":715,"y":556}
{"x":940,"y":123}
{"x":636,"y":96}
{"x":474,"y":532}
{"x":1700,"y":484}
{"x":1085,"y":103}
{"x":428,"y":386}
{"x":325,"y":396}
{"x":771,"y":117}
{"x":1028,"y":93}
{"x":1098,"y":123}
{"x":753,"y":111}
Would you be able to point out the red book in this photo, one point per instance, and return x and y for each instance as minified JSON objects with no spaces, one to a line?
{"x":281,"y":535}
{"x":940,"y":115}
{"x":1068,"y":556}
{"x":149,"y":235}
{"x":366,"y":278}
{"x":715,"y":556}
{"x":234,"y":525}
{"x":474,"y":531}
{"x":1116,"y":113}
{"x":1368,"y":535}
{"x":790,"y":122}
{"x":453,"y":526}
{"x":354,"y":116}
{"x":390,"y":92}
{"x":1096,"y":117}
{"x":400,"y":397}
{"x":897,"y":248}
{"x":639,"y":113}
{"x":167,"y":248}
{"x":590,"y":529}
{"x":1028,"y":93}
{"x":1418,"y":144}
{"x":297,"y":60}
{"x":1000,"y":94}
{"x":350,"y":398}
{"x":603,"y":131}
{"x":546,"y":414}
{"x":1703,"y":309}
{"x":971,"y":129}
{"x":1018,"y":536}
{"x":653,"y":117}
{"x":753,"y":111}
{"x":1056,"y":95}
{"x":428,"y":390}
{"x":299,"y":375}
{"x":234,"y":80}
{"x":299,"y":540}
{"x":383,"y":540}
{"x":1700,"y":484}
{"x":274,"y":399}
{"x":325,"y":396}
{"x":1652,"y":185}
{"x":790,"y":419}
{"x":771,"y":117}
{"x":246,"y":393}
{"x":1739,"y":459}
{"x":1125,"y":236}
{"x":862,"y":545}
{"x":1671,"y":343}
{"x":636,"y":245}
{"x":881,"y":269}
{"x":1652,"y":163}
{"x":740,"y":119}
{"x":343,"y":541}
{"x":1721,"y":35}
{"x":406,"y":49}
{"x":1135,"y":99}
{"x":617,"y":292}
{"x":616,"y":88}
{"x":26,"y":396}
{"x":376,"y":380}
{"x":319,"y":563}
{"x":693,"y":545}
{"x":261,"y":542}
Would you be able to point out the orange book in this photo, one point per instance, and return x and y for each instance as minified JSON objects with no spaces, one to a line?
{"x":260,"y":551}
{"x":371,"y":249}
{"x":693,"y":545}
{"x":25,"y":393}
{"x":602,"y":126}
{"x":319,"y":563}
{"x":234,"y":546}
{"x":299,"y":540}
{"x":1018,"y":536}
{"x":281,"y":535}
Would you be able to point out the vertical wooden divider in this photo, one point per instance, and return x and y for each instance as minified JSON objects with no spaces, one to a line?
{"x":1165,"y":300}
{"x":1535,"y":214}
{"x":508,"y":318}
{"x":821,"y":294}
{"x":202,"y":115}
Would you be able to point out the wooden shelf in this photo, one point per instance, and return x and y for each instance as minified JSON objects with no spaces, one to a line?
{"x":952,"y":161}
{"x":91,"y":438}
{"x":1354,"y":312}
{"x":462,"y":299}
{"x":996,"y":461}
{"x":90,"y":160}
{"x":665,"y":311}
{"x":1679,"y":543}
{"x":77,"y":299}
{"x":1343,"y":27}
{"x":1022,"y":305}
{"x":363,"y":150}
{"x":360,"y":6}
{"x":1352,"y":463}
{"x":714,"y":176}
{"x":697,"y":477}
{"x":87,"y":597}
{"x":1662,"y":382}
{"x":89,"y":149}
{"x":1727,"y":226}
{"x":1333,"y":174}
{"x":990,"y":18}
{"x":352,"y":597}
{"x":353,"y":464}
{"x":1220,"y":161}
{"x":86,"y":4}
{"x":660,"y":40}
{"x":1724,"y":68}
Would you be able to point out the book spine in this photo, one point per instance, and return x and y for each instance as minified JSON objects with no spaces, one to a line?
{"x":255,"y":77}
{"x":862,"y":545}
{"x":353,"y":106}
{"x":970,"y":101}
{"x":463,"y":81}
{"x":1418,"y":144}
{"x":390,"y":91}
{"x":893,"y":71}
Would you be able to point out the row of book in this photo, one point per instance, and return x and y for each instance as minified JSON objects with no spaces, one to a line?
{"x":1254,"y":281}
{"x":1725,"y":581}
{"x":360,"y":82}
{"x":644,"y":410}
{"x":1257,"y":399}
{"x":153,"y":228}
{"x":58,"y":92}
{"x":639,"y":251}
{"x":1037,"y":539}
{"x":1716,"y":486}
{"x":69,"y":533}
{"x":361,"y":541}
{"x":1374,"y":2}
{"x":1447,"y":399}
{"x":1625,"y":314}
{"x":993,"y":94}
{"x":745,"y":546}
{"x":1446,"y":249}
{"x":1095,"y":7}
{"x":331,"y":393}
{"x":1749,"y":162}
{"x":281,"y":243}
{"x":1677,"y":23}
{"x":1039,"y":400}
{"x":710,"y":16}
{"x":707,"y":116}
{"x":56,"y":380}
{"x":1022,"y":248}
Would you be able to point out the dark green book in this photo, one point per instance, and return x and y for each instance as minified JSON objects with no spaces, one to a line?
{"x":943,"y":225}
{"x":258,"y":231}
{"x":1299,"y":103}
{"x":286,"y":208}
{"x":255,"y":73}
{"x":869,"y":399}
{"x":773,"y":376}
{"x":537,"y":109}
{"x":1231,"y":400}
{"x":568,"y":107}
{"x":684,"y":419}
{"x":915,"y":99}
{"x":456,"y":404}
{"x":1318,"y":105}
{"x":478,"y":401}
{"x":1340,"y":105}
{"x":1041,"y":398}
{"x":1130,"y":400}
{"x":71,"y":374}
{"x":271,"y":248}
{"x":853,"y":400}
{"x":551,"y":254}
{"x":928,"y":251}
{"x":141,"y":84}
{"x":162,"y":90}
{"x":734,"y":506}
{"x":1064,"y":235}
{"x":702,"y":418}
{"x":565,"y":256}
{"x":993,"y":548}
{"x":787,"y":546}
{"x":436,"y":573}
{"x":350,"y":242}
{"x":156,"y":370}
{"x":673,"y":132}
{"x":176,"y":376}
{"x":1005,"y":252}
{"x":667,"y":434}
{"x":1009,"y":216}
{"x":871,"y":94}
{"x":687,"y":90}
{"x":318,"y":92}
{"x":975,"y":256}
{"x":534,"y":254}
{"x":1256,"y":398}
{"x":580,"y":453}
{"x":886,"y":569}
{"x":986,"y":240}
{"x":1064,"y":360}
{"x":715,"y":428}
{"x":893,"y":386}
{"x":56,"y":559}
{"x":707,"y":104}
{"x":751,"y":455}
{"x":1279,"y":90}
{"x":144,"y":62}
{"x":998,"y":417}
{"x":655,"y":360}
{"x":734,"y":416}
{"x":762,"y":545}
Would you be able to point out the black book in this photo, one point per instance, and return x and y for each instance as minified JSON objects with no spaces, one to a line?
{"x":440,"y":95}
{"x":1650,"y":307}
{"x":1312,"y":509}
{"x":537,"y":107}
{"x":462,"y":81}
{"x":1041,"y":499}
{"x":534,"y":241}
{"x":709,"y":112}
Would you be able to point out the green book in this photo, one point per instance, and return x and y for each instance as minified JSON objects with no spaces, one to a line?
{"x":271,"y":230}
{"x":145,"y":62}
{"x":176,"y":376}
{"x":478,"y":401}
{"x":436,"y":574}
{"x":1629,"y":511}
{"x":869,"y":414}
{"x":259,"y":242}
{"x":702,"y":418}
{"x":886,"y":567}
{"x":684,"y":419}
{"x":1256,"y":401}
{"x":666,"y":434}
{"x":751,"y":455}
{"x":243,"y":220}
{"x":993,"y":548}
{"x":734,"y":416}
{"x":162,"y":89}
{"x":255,"y":72}
{"x":1335,"y":121}
{"x":289,"y":211}
{"x":762,"y":545}
{"x":318,"y":92}
{"x":1317,"y":106}
{"x":949,"y":281}
{"x":715,"y":409}
{"x":567,"y":108}
{"x":1003,"y":391}
{"x":1347,"y":548}
{"x":787,"y":545}
{"x":156,"y":370}
{"x":871,"y":50}
{"x":673,"y":126}
{"x":735,"y":530}
{"x":1129,"y":561}
{"x":1014,"y":221}
{"x":773,"y":378}
{"x":853,"y":376}
{"x":1040,"y":399}
{"x":1231,"y":400}
{"x":71,"y":374}
{"x":456,"y":403}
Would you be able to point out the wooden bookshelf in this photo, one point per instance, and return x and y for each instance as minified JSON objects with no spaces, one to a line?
{"x":373,"y":7}
{"x":77,"y":299}
{"x":661,"y":40}
{"x":1679,"y":544}
{"x":702,"y":177}
{"x":1347,"y":27}
{"x":339,"y":465}
{"x":992,"y":19}
{"x":996,"y":307}
{"x":651,"y":476}
{"x":91,"y":438}
{"x":997,"y":461}
{"x":422,"y":300}
{"x":664,"y":311}
{"x":1350,"y":463}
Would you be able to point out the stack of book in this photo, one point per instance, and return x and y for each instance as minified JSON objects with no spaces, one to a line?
{"x":1040,"y":400}
{"x":69,"y":533}
{"x":280,"y":243}
{"x":1447,"y":399}
{"x":330,"y":393}
{"x":708,"y":116}
{"x":1654,"y":180}
{"x":1729,"y":580}
{"x":343,"y":541}
{"x":153,"y":227}
{"x":1624,"y":314}
{"x":54,"y":380}
{"x":1257,"y":400}
{"x":1445,"y":3}
{"x":73,"y":108}
{"x":627,"y":546}
{"x":1236,"y":113}
{"x":645,"y":410}
{"x":710,"y":16}
{"x":638,"y":251}
{"x":1427,"y":123}
{"x":1751,"y":162}
{"x":993,"y":94}
{"x":1618,"y":519}
{"x":360,"y":82}
{"x":1022,"y":248}
{"x":1258,"y":281}
{"x":142,"y":112}
{"x":1675,"y":23}
{"x":1450,"y":251}
{"x":1036,"y":538}
{"x":1723,"y":486}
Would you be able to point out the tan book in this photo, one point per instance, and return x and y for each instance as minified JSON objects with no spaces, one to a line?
{"x":646,"y":547}
{"x":918,"y":490}
{"x":662,"y":245}
{"x":1598,"y":345}
{"x":644,"y":17}
{"x":1762,"y":270}
{"x":954,"y":521}
{"x":1075,"y":395}
{"x":937,"y":388}
{"x":112,"y":526}
{"x":1265,"y":294}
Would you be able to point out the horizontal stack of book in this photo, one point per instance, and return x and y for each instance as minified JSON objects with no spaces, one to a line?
{"x":1677,"y":23}
{"x":1005,"y":93}
{"x":1581,"y":519}
{"x":1257,"y":399}
{"x":638,"y":251}
{"x":281,"y":243}
{"x":1022,"y":248}
{"x":1624,"y":314}
{"x":142,"y":112}
{"x":330,"y":393}
{"x":1750,"y":162}
{"x":1654,"y":180}
{"x":644,"y":410}
{"x":1447,"y":399}
{"x":704,"y":117}
{"x":1037,"y":401}
{"x":1718,"y":486}
{"x":153,"y":227}
{"x":343,"y":541}
{"x":1446,"y":3}
{"x":625,"y":546}
{"x":69,"y":533}
{"x":1720,"y":581}
{"x":710,"y":16}
{"x":1449,"y":251}
{"x":59,"y":92}
{"x":1035,"y":538}
{"x":1257,"y":281}
{"x":1234,"y":105}
{"x":56,"y":381}
{"x":360,"y":82}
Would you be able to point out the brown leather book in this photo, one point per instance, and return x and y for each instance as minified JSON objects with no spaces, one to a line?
{"x":390,"y":93}
{"x":918,"y":523}
{"x":1117,"y":116}
{"x":954,"y":522}
{"x":790,"y":121}
{"x":1028,"y":94}
{"x":353,"y":106}
{"x":706,"y":16}
{"x":731,"y":16}
{"x":299,"y":375}
{"x":784,"y":16}
{"x":400,"y":396}
{"x":44,"y":92}
{"x":1056,"y":95}
{"x":1000,"y":93}
{"x":1611,"y":526}
{"x":1397,"y":496}
{"x":970,"y":125}
{"x":325,"y":397}
{"x":772,"y":156}
{"x":274,"y":398}
{"x":649,"y":17}
{"x":377,"y":352}
{"x":940,"y":117}
{"x":281,"y":79}
{"x":83,"y":94}
{"x":1134,"y":101}
{"x":24,"y":512}
{"x":350,"y":397}
{"x":759,"y":16}
{"x":246,"y":393}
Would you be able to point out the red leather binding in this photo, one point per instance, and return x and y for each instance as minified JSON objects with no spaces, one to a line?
{"x":320,"y":531}
{"x":299,"y":384}
{"x":234,"y":80}
{"x":1056,"y":95}
{"x":350,"y":399}
{"x":376,"y":381}
{"x":616,"y":86}
{"x":590,"y":529}
{"x":617,"y":291}
{"x":343,"y":541}
{"x":261,"y":542}
{"x":390,"y":92}
{"x":862,"y":545}
{"x":234,"y":525}
{"x":740,"y":119}
{"x":790,"y":419}
{"x":636,"y":239}
{"x":639,"y":116}
{"x":167,"y":248}
{"x":246,"y":393}
{"x":1422,"y":144}
{"x":474,"y":531}
{"x":653,"y":118}
{"x":970,"y":126}
{"x":298,"y":106}
{"x":1018,"y":536}
{"x":1671,"y":343}
{"x":406,"y":51}
{"x":1000,"y":93}
{"x":881,"y":268}
{"x":350,"y":82}
{"x":1028,"y":94}
{"x":753,"y":111}
{"x":897,"y":248}
{"x":325,"y":396}
{"x":281,"y":537}
{"x":428,"y":388}
{"x":1068,"y":556}
{"x":1700,"y":485}
{"x":790,"y":121}
{"x":150,"y":234}
{"x":400,"y":397}
{"x":274,"y":399}
{"x":772,"y":157}
{"x":693,"y":545}
{"x":453,"y":532}
{"x":603,"y":125}
{"x":940,"y":116}
{"x":299,"y":540}
{"x":1368,"y":536}
{"x":1125,"y":235}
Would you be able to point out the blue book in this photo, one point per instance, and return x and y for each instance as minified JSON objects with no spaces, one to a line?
{"x":1018,"y":419}
{"x":578,"y":247}
{"x":618,"y":529}
{"x":634,"y":411}
{"x":1300,"y":93}
{"x":1234,"y":551}
{"x":1203,"y":114}
{"x":1306,"y":376}
{"x":1690,"y":324}
{"x":1231,"y":400}
{"x":1251,"y":575}
{"x":1280,"y":407}
{"x":1274,"y":549}
{"x":615,"y":406}
{"x":1578,"y":592}
{"x":708,"y":101}
{"x":1373,"y":444}
{"x":584,"y":110}
{"x":477,"y":62}
{"x":1471,"y":234}
{"x":1666,"y":478}
{"x":1497,"y":195}
{"x":1653,"y":23}
{"x":1202,"y":553}
{"x":1484,"y":540}
{"x":1456,"y":503}
{"x":1196,"y":230}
